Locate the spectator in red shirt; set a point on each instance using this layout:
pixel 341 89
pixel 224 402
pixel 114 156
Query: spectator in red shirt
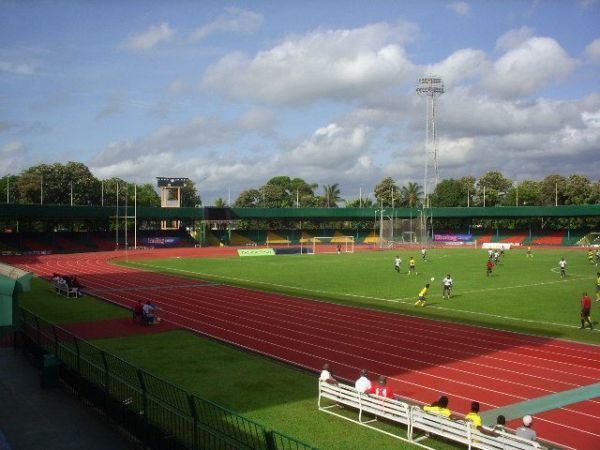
pixel 586 306
pixel 138 311
pixel 381 388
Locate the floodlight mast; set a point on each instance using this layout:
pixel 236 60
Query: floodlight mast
pixel 430 87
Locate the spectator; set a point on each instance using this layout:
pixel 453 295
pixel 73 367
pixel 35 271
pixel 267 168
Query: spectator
pixel 148 312
pixel 326 375
pixel 381 388
pixel 440 407
pixel 363 384
pixel 500 424
pixel 474 416
pixel 526 432
pixel 138 312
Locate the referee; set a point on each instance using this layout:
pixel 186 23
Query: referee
pixel 586 306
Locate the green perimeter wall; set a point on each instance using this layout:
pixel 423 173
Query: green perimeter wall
pixel 20 212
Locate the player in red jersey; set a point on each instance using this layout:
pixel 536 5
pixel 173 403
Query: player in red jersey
pixel 586 306
pixel 489 266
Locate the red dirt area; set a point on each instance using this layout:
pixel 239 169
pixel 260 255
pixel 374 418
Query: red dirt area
pixel 112 328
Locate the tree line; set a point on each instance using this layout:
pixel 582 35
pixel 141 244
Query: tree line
pixel 58 183
pixel 491 189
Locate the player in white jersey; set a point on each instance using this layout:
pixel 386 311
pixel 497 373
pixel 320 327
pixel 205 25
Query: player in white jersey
pixel 397 264
pixel 424 254
pixel 563 267
pixel 447 284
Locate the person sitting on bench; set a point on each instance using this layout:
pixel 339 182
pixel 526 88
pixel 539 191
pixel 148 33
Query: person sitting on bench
pixel 149 313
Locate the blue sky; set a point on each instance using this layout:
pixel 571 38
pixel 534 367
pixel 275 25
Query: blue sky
pixel 231 94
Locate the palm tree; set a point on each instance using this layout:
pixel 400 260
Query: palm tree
pixel 220 202
pixel 411 194
pixel 332 194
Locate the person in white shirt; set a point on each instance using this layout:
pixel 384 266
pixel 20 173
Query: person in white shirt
pixel 525 431
pixel 447 284
pixel 563 267
pixel 397 263
pixel 363 384
pixel 424 254
pixel 326 375
pixel 490 253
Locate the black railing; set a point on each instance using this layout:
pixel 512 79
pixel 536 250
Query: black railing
pixel 154 411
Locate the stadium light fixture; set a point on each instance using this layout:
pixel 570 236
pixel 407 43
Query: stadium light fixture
pixel 430 87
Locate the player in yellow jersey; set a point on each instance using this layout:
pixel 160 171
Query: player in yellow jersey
pixel 412 266
pixel 422 296
pixel 529 254
pixel 598 286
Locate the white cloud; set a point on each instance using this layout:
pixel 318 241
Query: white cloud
pixel 514 38
pixel 460 65
pixel 17 68
pixel 257 119
pixel 339 64
pixel 12 157
pixel 333 146
pixel 149 39
pixel 460 8
pixel 529 68
pixel 234 20
pixel 592 51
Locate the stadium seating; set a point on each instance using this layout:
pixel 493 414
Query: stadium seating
pixel 550 239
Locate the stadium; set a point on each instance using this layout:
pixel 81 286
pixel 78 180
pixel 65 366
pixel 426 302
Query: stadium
pixel 451 304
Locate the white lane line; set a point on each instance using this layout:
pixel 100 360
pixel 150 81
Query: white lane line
pixel 405 300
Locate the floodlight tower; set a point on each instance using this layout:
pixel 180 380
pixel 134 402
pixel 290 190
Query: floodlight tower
pixel 430 87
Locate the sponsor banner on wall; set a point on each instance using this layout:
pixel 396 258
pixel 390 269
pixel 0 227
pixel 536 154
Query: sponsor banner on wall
pixel 161 241
pixel 452 237
pixel 256 252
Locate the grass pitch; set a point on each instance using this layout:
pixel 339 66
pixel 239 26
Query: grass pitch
pixel 523 294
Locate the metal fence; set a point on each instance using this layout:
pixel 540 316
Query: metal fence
pixel 154 411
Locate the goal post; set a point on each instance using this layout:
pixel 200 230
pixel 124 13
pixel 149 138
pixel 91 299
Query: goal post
pixel 332 244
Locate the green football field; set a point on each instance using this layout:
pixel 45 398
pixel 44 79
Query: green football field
pixel 523 294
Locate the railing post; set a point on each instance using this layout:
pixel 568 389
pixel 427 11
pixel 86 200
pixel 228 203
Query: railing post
pixel 55 340
pixel 76 342
pixel 194 413
pixel 105 364
pixel 37 329
pixel 144 393
pixel 270 440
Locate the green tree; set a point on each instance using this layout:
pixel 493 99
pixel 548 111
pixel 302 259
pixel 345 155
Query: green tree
pixel 220 202
pixel 449 192
pixel 8 183
pixel 550 187
pixel 146 195
pixel 411 194
pixel 250 198
pixel 468 183
pixel 56 180
pixel 189 195
pixel 493 186
pixel 578 190
pixel 386 191
pixel 358 203
pixel 331 195
pixel 525 193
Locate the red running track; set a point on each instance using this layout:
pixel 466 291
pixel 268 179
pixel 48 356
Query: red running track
pixel 422 358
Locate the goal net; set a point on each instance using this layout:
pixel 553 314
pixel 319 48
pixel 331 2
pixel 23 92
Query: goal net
pixel 332 244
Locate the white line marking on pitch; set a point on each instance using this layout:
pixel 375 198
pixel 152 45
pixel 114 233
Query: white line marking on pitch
pixel 405 300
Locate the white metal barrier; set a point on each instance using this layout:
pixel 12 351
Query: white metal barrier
pixel 419 423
